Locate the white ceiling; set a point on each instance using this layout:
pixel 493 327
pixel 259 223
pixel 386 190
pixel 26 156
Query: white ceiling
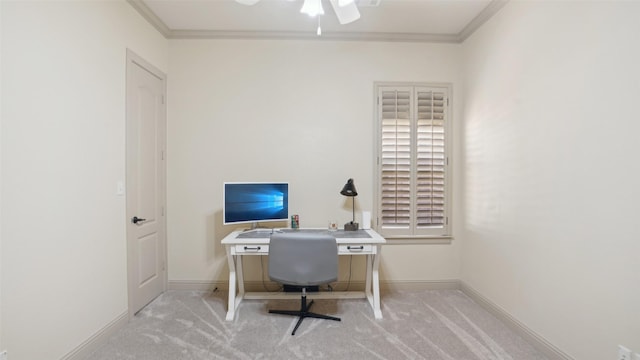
pixel 391 20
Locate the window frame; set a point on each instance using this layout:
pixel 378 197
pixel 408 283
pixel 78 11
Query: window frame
pixel 413 233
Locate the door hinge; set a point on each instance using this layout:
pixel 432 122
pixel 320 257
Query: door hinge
pixel 162 99
pixel 162 210
pixel 161 154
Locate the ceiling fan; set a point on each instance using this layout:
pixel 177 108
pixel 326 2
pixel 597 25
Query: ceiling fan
pixel 346 10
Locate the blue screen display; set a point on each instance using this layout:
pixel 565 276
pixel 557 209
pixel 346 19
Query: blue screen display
pixel 254 202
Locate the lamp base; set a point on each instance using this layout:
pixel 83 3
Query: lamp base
pixel 351 226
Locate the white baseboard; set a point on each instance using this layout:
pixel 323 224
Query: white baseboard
pixel 196 285
pixel 419 285
pixel 533 338
pixel 249 286
pixel 96 340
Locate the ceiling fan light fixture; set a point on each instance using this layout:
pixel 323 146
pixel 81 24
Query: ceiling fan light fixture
pixel 312 8
pixel 346 14
pixel 247 2
pixel 342 3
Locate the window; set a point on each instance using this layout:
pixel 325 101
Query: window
pixel 412 160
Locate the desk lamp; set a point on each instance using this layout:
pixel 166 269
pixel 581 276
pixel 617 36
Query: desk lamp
pixel 349 189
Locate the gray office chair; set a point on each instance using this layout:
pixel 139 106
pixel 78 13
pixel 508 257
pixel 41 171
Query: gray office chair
pixel 303 260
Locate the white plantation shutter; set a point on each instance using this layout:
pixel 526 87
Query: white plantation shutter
pixel 412 160
pixel 430 158
pixel 396 106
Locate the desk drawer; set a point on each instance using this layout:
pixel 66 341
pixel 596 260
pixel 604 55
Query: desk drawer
pixel 355 249
pixel 252 249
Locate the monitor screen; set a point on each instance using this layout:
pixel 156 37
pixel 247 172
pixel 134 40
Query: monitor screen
pixel 255 202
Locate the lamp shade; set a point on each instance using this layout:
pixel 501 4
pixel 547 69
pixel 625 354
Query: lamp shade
pixel 349 189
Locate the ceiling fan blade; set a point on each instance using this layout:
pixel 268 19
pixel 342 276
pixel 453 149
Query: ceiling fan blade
pixel 346 14
pixel 247 2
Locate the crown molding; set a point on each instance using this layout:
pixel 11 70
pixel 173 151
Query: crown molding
pixel 310 35
pixel 151 17
pixel 491 9
pixel 484 15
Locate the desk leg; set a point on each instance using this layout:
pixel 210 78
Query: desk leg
pixel 240 274
pixel 372 283
pixel 376 284
pixel 367 281
pixel 231 307
pixel 235 279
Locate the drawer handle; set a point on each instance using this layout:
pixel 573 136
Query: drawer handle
pixel 252 248
pixel 361 247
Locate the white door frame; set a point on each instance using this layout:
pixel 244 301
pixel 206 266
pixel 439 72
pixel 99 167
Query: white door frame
pixel 134 60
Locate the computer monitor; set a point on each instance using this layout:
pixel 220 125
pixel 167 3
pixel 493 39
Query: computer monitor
pixel 254 202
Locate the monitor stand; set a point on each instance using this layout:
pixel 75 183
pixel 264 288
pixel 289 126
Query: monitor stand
pixel 255 226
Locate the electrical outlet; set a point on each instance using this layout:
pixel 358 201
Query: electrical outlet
pixel 623 353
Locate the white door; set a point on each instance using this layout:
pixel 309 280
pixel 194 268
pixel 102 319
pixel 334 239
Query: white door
pixel 146 229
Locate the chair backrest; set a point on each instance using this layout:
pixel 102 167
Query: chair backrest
pixel 303 259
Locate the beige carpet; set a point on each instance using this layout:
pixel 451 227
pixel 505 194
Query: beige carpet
pixel 431 324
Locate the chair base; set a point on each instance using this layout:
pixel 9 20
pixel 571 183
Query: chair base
pixel 303 313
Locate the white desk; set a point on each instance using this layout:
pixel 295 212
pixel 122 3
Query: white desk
pixel 239 244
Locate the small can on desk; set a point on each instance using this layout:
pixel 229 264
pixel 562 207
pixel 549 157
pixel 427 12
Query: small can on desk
pixel 295 222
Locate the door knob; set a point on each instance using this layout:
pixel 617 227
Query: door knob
pixel 136 219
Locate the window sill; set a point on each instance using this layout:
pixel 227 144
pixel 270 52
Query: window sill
pixel 418 240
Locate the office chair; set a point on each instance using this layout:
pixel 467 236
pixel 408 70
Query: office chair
pixel 303 260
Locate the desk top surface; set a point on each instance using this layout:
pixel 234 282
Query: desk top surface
pixel 342 236
pixel 336 233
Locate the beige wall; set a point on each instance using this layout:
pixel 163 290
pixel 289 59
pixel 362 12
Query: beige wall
pixel 551 171
pixel 296 111
pixel 63 150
